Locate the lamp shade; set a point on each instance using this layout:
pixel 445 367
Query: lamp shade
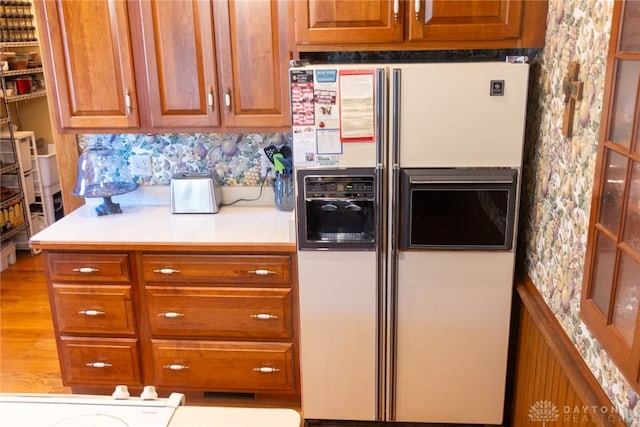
pixel 103 173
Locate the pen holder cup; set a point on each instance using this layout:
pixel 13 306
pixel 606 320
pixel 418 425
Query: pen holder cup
pixel 283 189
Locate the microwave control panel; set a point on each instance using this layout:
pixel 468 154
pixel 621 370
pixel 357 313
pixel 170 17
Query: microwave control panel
pixel 339 187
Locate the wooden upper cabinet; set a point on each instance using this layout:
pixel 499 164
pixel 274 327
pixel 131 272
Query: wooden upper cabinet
pixel 418 24
pixel 167 65
pixel 338 21
pixel 465 20
pixel 253 57
pixel 89 48
pixel 179 67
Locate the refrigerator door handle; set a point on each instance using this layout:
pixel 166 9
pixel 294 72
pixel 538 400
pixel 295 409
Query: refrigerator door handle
pixel 381 251
pixel 395 120
pixel 394 241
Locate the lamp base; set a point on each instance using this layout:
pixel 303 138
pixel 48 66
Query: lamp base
pixel 108 207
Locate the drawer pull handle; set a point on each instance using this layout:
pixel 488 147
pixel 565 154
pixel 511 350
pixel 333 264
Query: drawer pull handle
pixel 86 270
pixel 171 314
pixel 176 367
pixel 264 316
pixel 166 271
pixel 266 370
pixel 99 365
pixel 92 313
pixel 262 272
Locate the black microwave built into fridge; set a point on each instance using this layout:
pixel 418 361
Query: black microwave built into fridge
pixel 458 208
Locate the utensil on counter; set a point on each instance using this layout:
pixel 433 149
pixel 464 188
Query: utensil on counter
pixel 270 151
pixel 283 184
pixel 281 158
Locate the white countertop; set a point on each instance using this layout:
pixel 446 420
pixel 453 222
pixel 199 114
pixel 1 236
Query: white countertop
pixel 154 224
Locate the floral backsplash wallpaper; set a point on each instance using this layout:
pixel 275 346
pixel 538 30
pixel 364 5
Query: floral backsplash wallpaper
pixel 234 159
pixel 558 179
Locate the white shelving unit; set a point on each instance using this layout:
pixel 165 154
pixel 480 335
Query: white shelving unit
pixel 34 183
pixel 15 229
pixel 35 177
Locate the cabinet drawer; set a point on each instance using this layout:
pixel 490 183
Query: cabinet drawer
pixel 82 267
pixel 218 269
pixel 220 312
pixel 96 361
pixel 224 366
pixel 102 309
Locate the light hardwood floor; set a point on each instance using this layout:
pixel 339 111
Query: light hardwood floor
pixel 28 355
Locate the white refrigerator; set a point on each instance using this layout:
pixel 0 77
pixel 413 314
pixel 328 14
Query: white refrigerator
pixel 413 329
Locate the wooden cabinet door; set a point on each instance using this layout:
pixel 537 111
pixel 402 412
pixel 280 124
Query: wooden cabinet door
pixel 338 22
pixel 253 58
pixel 473 20
pixel 179 62
pixel 88 55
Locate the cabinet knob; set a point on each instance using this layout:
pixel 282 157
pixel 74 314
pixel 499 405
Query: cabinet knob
pixel 99 365
pixel 210 99
pixel 92 313
pixel 227 99
pixel 262 272
pixel 264 316
pixel 171 314
pixel 166 270
pixel 127 102
pixel 86 270
pixel 266 370
pixel 176 367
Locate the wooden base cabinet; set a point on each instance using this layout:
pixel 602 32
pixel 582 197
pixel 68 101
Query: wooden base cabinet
pixel 91 297
pixel 223 322
pixel 182 321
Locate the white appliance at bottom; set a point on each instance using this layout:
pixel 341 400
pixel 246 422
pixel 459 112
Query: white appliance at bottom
pixel 66 410
pixel 60 410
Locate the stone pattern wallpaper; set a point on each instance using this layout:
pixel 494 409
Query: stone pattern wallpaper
pixel 558 178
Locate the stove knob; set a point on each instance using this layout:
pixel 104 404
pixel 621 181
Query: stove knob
pixel 149 393
pixel 121 392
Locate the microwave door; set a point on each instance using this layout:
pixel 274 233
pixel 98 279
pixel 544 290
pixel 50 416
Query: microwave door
pixel 458 210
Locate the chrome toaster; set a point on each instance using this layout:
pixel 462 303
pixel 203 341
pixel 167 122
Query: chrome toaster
pixel 195 193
